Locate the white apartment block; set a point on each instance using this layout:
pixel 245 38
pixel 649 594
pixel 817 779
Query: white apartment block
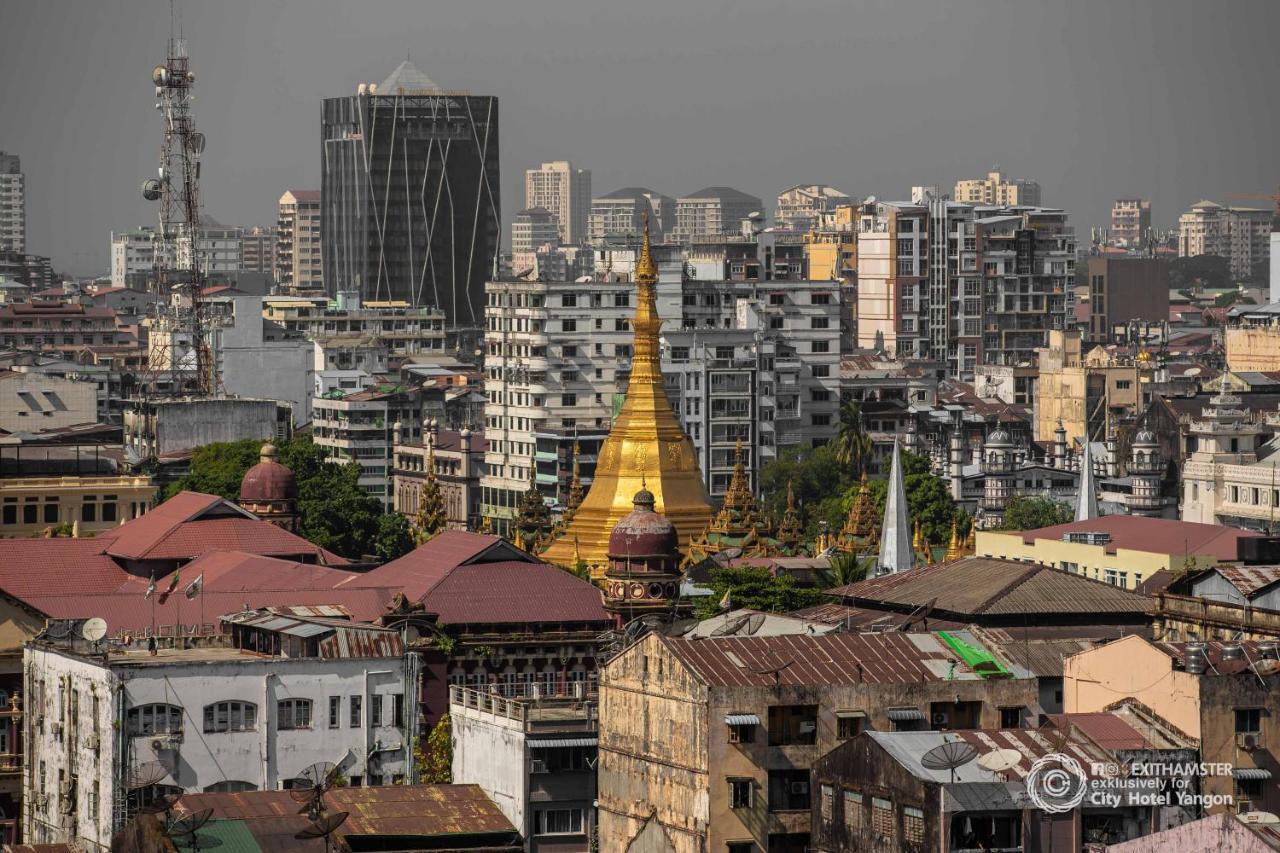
pixel 397 327
pixel 996 189
pixel 621 214
pixel 240 713
pixel 13 204
pixel 962 284
pixel 531 230
pixel 361 427
pixel 298 242
pixel 803 207
pixel 563 191
pixel 133 253
pixel 1130 220
pixel 713 212
pixel 1242 235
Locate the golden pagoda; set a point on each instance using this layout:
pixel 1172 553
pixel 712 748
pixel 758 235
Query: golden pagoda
pixel 645 445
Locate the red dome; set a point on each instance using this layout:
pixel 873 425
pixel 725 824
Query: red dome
pixel 643 532
pixel 268 480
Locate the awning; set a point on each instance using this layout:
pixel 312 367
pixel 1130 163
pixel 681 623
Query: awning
pixel 1251 773
pixel 564 741
pixel 850 715
pixel 905 715
pixel 742 720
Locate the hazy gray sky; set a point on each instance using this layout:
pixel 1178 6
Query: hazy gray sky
pixel 1174 100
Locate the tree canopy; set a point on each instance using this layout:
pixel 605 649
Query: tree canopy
pixel 756 588
pixel 928 499
pixel 336 513
pixel 1030 513
pixel 820 482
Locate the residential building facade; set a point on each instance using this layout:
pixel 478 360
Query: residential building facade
pixel 13 204
pixel 133 257
pixel 713 212
pixel 565 192
pixel 360 427
pixel 258 250
pixel 1242 235
pixel 441 145
pixel 621 214
pixel 1130 221
pixel 298 259
pixel 996 189
pixel 805 206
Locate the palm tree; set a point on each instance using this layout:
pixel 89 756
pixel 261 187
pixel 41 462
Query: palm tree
pixel 846 568
pixel 853 445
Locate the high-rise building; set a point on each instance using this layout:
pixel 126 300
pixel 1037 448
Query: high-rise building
pixel 410 194
pixel 565 192
pixel 1130 219
pixel 133 257
pixel 621 214
pixel 1242 235
pixel 802 207
pixel 713 212
pixel 996 189
pixel 991 297
pixel 13 204
pixel 1124 289
pixel 297 255
pixel 532 229
pixel 258 250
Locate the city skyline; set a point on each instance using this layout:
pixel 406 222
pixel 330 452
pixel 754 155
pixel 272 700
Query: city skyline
pixel 759 101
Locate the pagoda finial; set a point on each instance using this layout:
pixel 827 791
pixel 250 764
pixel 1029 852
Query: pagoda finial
pixel 646 269
pixel 954 549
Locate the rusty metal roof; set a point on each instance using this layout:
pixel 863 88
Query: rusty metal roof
pixel 1249 580
pixel 408 811
pixel 337 638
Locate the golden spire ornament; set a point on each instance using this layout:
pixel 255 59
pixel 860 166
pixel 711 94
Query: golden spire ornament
pixel 954 551
pixel 646 448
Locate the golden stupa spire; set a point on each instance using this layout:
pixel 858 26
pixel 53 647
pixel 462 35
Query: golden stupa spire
pixel 646 447
pixel 954 550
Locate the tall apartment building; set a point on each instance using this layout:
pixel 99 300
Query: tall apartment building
pixel 297 254
pixel 258 250
pixel 713 212
pixel 565 192
pixel 1242 235
pixel 962 284
pixel 363 427
pixel 995 188
pixel 532 229
pixel 13 204
pixel 133 257
pixel 1130 219
pixel 621 214
pixel 1122 289
pixel 410 190
pixel 803 207
pixel 218 247
pixel 750 361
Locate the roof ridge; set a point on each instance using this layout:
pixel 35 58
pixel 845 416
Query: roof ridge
pixel 1008 589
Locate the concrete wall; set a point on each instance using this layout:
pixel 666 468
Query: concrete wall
pixel 186 424
pixel 1092 561
pixel 488 750
pixel 1218 832
pixel 266 370
pixel 1131 669
pixel 31 402
pixel 1253 349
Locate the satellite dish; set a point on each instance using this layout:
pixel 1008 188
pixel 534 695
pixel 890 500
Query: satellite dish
pixel 323 827
pixel 1258 818
pixel 151 189
pixel 188 825
pixel 949 756
pixel 999 760
pixel 197 142
pixel 94 629
pixel 146 774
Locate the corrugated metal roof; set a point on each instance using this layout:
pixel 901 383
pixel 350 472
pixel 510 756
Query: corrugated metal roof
pixel 1105 729
pixel 1251 773
pixel 902 715
pixel 741 720
pixel 1250 580
pixel 1038 658
pixel 908 748
pixel 555 743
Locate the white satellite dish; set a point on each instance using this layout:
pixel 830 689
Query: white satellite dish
pixel 999 760
pixel 1258 817
pixel 94 629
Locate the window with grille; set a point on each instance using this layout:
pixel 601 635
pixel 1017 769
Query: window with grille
pixel 293 714
pixel 559 821
pixel 739 793
pixel 335 710
pixel 852 809
pixel 154 719
pixel 882 817
pixel 912 825
pixel 230 717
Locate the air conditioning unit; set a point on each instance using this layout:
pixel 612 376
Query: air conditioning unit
pixel 1244 807
pixel 1249 740
pixel 800 788
pixel 93 742
pixel 940 718
pixel 539 766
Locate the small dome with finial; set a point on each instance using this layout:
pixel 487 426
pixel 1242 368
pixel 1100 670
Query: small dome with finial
pixel 643 532
pixel 268 480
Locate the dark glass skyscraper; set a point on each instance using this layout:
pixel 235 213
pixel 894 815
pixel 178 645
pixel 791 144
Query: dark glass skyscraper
pixel 410 194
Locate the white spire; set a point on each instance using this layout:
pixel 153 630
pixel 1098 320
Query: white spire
pixel 895 533
pixel 1086 498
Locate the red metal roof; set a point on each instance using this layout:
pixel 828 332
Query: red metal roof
pixel 1250 580
pixel 803 659
pixel 32 566
pixel 1103 728
pixel 1156 535
pixel 423 568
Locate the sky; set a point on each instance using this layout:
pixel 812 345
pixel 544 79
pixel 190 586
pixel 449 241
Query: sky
pixel 1172 100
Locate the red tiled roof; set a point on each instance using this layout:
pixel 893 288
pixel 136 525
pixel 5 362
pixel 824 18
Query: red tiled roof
pixel 1156 535
pixel 32 566
pixel 514 592
pixel 1103 728
pixel 803 659
pixel 422 568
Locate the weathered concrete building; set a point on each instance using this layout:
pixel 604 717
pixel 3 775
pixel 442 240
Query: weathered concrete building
pixel 713 738
pixel 535 757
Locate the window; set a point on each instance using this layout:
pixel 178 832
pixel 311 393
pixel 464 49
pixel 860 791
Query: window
pixel 788 790
pixel 741 733
pixel 50 513
pixel 739 793
pixel 793 724
pixel 823 419
pixel 1248 720
pixel 397 700
pixel 820 299
pixel 850 724
pixel 568 325
pixel 230 717
pixel 569 400
pixel 821 346
pixel 821 371
pixel 335 711
pixel 826 802
pixel 912 825
pixel 740 847
pixel 852 809
pixel 569 300
pixel 1248 789
pixel 155 719
pixel 230 786
pixel 882 817
pixel 293 714
pixel 355 711
pixel 819 322
pixel 1011 718
pixel 558 822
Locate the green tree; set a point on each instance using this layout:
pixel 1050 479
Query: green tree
pixel 756 588
pixel 1201 272
pixel 217 469
pixel 846 568
pixel 1030 513
pixel 435 761
pixel 852 445
pixel 821 485
pixel 928 497
pixel 394 538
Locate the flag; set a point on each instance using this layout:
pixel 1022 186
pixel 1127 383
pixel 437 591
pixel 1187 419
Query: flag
pixel 151 587
pixel 173 584
pixel 725 603
pixel 196 586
